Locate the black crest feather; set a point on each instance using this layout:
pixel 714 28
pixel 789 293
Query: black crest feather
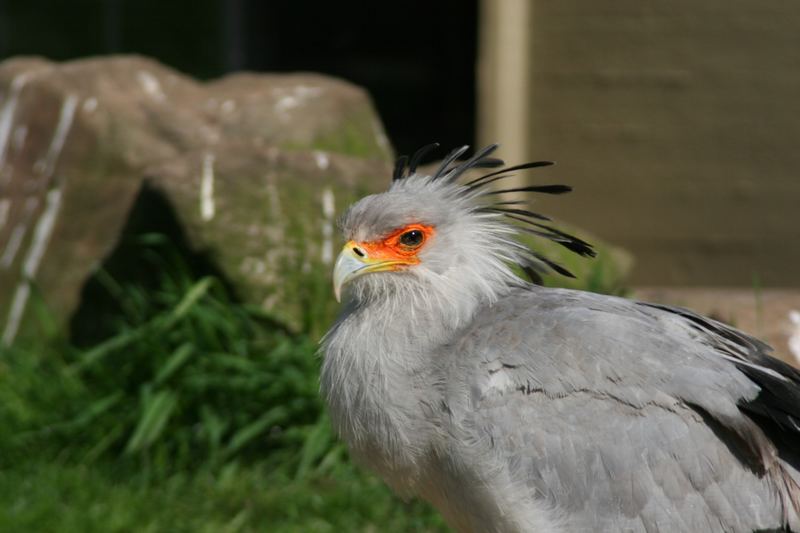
pixel 444 168
pixel 400 168
pixel 451 169
pixel 419 154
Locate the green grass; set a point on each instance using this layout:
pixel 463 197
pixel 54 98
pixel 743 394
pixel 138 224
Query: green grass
pixel 196 414
pixel 54 497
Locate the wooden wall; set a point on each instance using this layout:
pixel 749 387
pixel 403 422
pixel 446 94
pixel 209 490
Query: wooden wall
pixel 678 123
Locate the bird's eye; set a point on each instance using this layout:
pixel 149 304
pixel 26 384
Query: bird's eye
pixel 412 239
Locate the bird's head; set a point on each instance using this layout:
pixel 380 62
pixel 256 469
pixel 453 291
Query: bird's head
pixel 435 238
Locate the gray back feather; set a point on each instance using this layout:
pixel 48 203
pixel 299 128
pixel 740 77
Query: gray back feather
pixel 628 417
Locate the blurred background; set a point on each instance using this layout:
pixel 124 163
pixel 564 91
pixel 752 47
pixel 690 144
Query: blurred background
pixel 170 174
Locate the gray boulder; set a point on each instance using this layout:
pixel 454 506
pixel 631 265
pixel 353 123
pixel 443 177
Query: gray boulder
pixel 254 166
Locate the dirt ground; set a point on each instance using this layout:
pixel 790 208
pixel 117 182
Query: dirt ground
pixel 764 313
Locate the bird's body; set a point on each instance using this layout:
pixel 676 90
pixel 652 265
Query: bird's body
pixel 514 408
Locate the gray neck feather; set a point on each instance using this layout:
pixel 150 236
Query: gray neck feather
pixel 380 361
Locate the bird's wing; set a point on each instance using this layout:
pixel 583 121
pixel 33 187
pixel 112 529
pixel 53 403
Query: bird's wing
pixel 628 416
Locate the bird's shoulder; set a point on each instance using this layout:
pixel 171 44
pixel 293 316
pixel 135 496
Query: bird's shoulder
pixel 557 341
pixel 560 340
pixel 629 414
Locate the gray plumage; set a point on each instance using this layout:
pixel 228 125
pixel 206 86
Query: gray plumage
pixel 513 407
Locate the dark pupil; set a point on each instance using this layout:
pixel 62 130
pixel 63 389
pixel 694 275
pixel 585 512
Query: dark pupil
pixel 411 238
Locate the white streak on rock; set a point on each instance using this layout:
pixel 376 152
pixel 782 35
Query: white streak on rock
pixel 292 98
pixel 207 188
pixel 380 135
pixel 328 210
pixel 90 104
pixel 323 162
pixel 8 111
pixel 12 247
pixel 41 237
pixel 5 206
pixel 794 337
pixel 18 234
pixel 274 231
pixel 18 304
pixel 228 106
pixel 47 165
pixel 150 85
pixel 284 104
pixel 328 203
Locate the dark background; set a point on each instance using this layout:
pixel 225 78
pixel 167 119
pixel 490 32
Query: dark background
pixel 417 59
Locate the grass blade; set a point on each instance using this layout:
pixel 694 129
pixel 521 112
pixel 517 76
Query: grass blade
pixel 158 409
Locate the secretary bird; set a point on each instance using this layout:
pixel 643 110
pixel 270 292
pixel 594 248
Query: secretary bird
pixel 513 407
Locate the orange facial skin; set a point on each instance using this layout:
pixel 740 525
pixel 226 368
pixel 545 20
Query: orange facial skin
pixel 391 249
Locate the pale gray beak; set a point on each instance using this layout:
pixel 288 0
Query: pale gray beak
pixel 347 267
pixel 350 265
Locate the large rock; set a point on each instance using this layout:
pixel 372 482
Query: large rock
pixel 254 167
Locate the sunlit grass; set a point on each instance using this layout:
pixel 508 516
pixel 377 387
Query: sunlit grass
pixel 39 496
pixel 196 415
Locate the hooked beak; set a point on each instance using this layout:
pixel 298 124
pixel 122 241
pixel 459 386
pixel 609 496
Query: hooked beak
pixel 353 262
